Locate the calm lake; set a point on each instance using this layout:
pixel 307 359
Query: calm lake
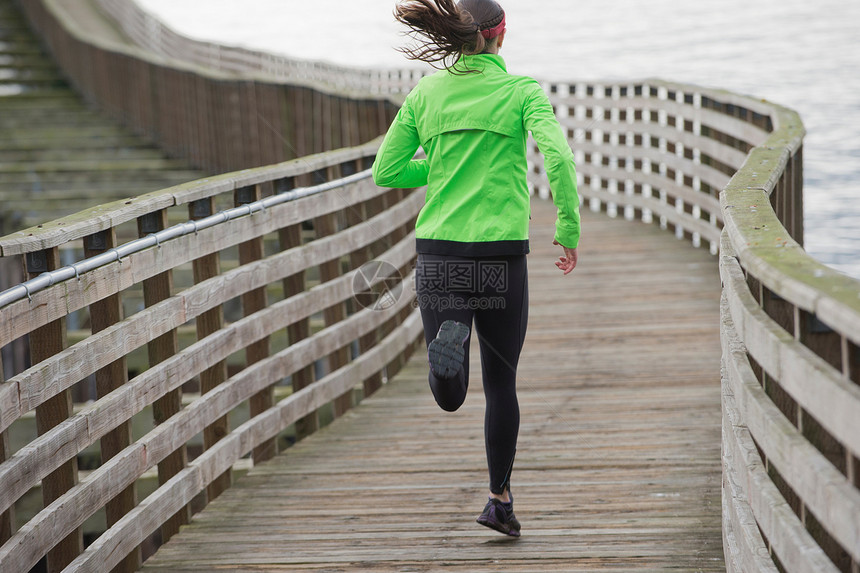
pixel 802 54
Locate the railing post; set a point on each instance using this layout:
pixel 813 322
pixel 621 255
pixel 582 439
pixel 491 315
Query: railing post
pixel 155 290
pixel 288 238
pixel 254 301
pixel 357 258
pixel 325 226
pixel 391 199
pixel 104 314
pixel 45 342
pixel 7 518
pixel 207 323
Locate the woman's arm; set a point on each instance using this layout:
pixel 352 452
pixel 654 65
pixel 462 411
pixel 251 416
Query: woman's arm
pixel 540 120
pixel 394 165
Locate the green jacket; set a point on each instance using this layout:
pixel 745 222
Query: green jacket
pixel 473 129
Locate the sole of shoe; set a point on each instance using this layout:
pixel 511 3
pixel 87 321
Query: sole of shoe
pixel 498 526
pixel 488 519
pixel 446 352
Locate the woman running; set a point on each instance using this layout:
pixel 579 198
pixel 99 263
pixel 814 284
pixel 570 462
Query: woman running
pixel 472 118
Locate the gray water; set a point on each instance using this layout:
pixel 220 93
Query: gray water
pixel 801 54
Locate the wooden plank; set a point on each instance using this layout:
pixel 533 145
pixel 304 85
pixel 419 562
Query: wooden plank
pixel 104 314
pixel 396 483
pixel 355 216
pixel 329 270
pixel 834 401
pixel 249 435
pixel 46 341
pixel 823 489
pixel 17 319
pixel 179 428
pixel 703 226
pixel 254 301
pixel 288 239
pixel 42 455
pixel 749 486
pixel 84 359
pixel 7 517
pixel 162 348
pixel 103 217
pixel 207 323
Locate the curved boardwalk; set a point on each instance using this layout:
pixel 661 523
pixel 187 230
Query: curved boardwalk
pixel 57 154
pixel 619 454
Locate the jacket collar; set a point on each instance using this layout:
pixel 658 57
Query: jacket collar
pixel 481 61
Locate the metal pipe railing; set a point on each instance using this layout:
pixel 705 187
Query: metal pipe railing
pixel 47 279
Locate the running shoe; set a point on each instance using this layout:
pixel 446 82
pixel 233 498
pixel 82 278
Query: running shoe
pixel 446 352
pixel 502 519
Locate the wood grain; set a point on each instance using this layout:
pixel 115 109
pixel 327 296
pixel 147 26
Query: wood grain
pixel 618 464
pixel 104 314
pixel 254 301
pixel 43 455
pixel 160 349
pixel 17 319
pixel 210 322
pixel 46 341
pixel 61 371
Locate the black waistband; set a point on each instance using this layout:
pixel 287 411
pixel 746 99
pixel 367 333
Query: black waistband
pixel 475 249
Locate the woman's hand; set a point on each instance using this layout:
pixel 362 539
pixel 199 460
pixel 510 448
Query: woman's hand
pixel 568 262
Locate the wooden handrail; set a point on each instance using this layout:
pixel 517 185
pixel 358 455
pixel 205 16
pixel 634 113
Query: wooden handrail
pixel 156 37
pixel 379 236
pixel 218 121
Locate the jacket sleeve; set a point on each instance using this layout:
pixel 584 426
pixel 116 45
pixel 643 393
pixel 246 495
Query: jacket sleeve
pixel 394 165
pixel 540 120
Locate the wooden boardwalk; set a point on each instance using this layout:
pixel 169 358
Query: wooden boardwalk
pixel 618 466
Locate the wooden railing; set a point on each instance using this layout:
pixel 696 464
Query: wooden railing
pixel 791 369
pixel 236 306
pixel 663 153
pixel 152 34
pixel 721 170
pixel 217 120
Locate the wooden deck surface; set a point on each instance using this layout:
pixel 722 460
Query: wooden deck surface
pixel 618 464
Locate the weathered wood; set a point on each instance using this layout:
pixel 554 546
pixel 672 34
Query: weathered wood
pixel 821 486
pixel 289 238
pixel 104 314
pixel 207 323
pixel 324 227
pixel 387 487
pixel 752 488
pixel 83 359
pixel 56 301
pixel 746 551
pixel 161 441
pixel 7 517
pixel 46 341
pixel 247 436
pixel 162 348
pixel 357 258
pixel 103 217
pixel 73 435
pixel 254 301
pixel 833 400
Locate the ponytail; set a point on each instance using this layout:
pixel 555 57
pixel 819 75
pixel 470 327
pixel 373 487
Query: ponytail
pixel 448 31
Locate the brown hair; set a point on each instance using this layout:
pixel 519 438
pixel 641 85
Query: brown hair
pixel 448 30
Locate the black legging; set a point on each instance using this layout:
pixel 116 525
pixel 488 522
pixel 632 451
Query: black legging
pixel 493 291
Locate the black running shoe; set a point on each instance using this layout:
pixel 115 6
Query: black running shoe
pixel 497 516
pixel 446 352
